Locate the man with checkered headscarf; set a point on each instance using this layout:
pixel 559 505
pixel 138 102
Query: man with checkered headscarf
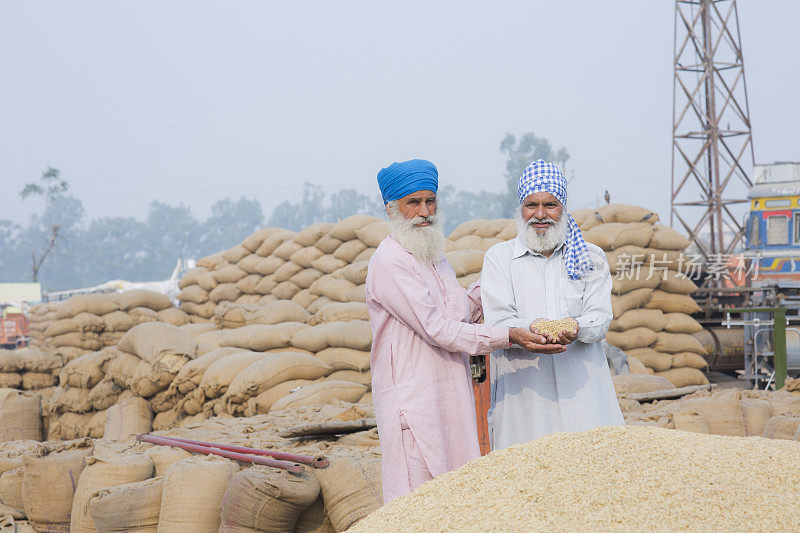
pixel 548 272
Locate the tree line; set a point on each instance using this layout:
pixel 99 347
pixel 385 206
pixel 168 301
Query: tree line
pixel 61 249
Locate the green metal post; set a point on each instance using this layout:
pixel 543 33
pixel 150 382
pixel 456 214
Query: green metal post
pixel 779 348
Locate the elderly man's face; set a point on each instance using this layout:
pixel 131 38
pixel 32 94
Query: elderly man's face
pixel 541 210
pixel 418 204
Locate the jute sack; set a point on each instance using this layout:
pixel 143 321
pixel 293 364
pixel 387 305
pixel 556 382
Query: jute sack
pixel 140 315
pixel 249 263
pixel 756 412
pixel 163 401
pixel 165 456
pixel 87 341
pixel 266 499
pixel 652 319
pixel 260 337
pixel 627 259
pixel 87 370
pixel 666 238
pixel 219 374
pixel 672 303
pixel 305 256
pixel 305 278
pixel 630 300
pixel 105 468
pixel 689 420
pixel 652 359
pixel 351 489
pixel 274 313
pixel 174 316
pixel 235 254
pixel 193 402
pixel 633 338
pixel 328 244
pixel 677 342
pixel 625 213
pixel 355 273
pixel 470 242
pixel 190 277
pixel 122 368
pixel 491 228
pixel 359 293
pixel 48 488
pixel 228 275
pixel 267 372
pixel 262 403
pixel 183 506
pixel 721 410
pixel 141 298
pixel 225 292
pixel 317 304
pixel 286 271
pixel 287 249
pixel 311 234
pixel 690 359
pixel 212 262
pixel 347 228
pixel 71 399
pixel 38 380
pixel 365 255
pixel 349 250
pixel 328 264
pixel 188 377
pixel 784 403
pixel 129 417
pixel 10 380
pixel 207 281
pixel 683 377
pixel 79 323
pixel 167 420
pixel 467 228
pixel 272 242
pixel 634 383
pixel 636 367
pixel 97 424
pixel 314 519
pixel 127 507
pixel 205 310
pixel 324 392
pixel 782 427
pixel 677 283
pixel 465 261
pixel 333 288
pixel 345 359
pixel 286 290
pixel 614 235
pixel 70 426
pixel 621 285
pixel 362 439
pixel 197 329
pixel 680 323
pixel 97 304
pixel 254 241
pixel 11 488
pixel 148 380
pixel 164 346
pixel 372 234
pixel 11 361
pixel 355 334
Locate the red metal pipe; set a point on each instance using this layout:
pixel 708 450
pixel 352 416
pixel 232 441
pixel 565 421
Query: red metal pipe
pixel 318 461
pixel 292 468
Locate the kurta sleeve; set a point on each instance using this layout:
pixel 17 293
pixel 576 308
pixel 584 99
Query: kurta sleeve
pixel 497 291
pixel 596 312
pixel 475 305
pixel 399 288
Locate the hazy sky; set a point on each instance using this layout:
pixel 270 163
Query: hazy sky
pixel 194 101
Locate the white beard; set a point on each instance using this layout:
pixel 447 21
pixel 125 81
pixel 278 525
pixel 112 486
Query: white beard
pixel 426 243
pixel 553 237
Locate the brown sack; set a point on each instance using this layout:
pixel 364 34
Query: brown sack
pixel 235 254
pixel 218 375
pixel 165 456
pixel 286 290
pixel 250 263
pixel 652 319
pixel 652 359
pixel 672 303
pixel 262 403
pixel 324 392
pixel 49 486
pixel 184 507
pixel 625 213
pixel 680 323
pixel 633 338
pixel 118 321
pixel 38 380
pixel 782 427
pixel 311 234
pixel 122 368
pixel 130 417
pixel 193 293
pixel 174 316
pixel 127 507
pixel 254 241
pixel 373 233
pixel 188 378
pixel 164 346
pixel 678 342
pixel 756 413
pixel 634 383
pixel 142 298
pixel 630 300
pixel 11 488
pixel 666 238
pixel 20 416
pixel 690 359
pixel 268 372
pixel 677 283
pixel 351 489
pixel 684 377
pixel 627 259
pixel 345 358
pixel 269 265
pixel 272 242
pixel 287 249
pixel 347 228
pixel 349 250
pixel 614 235
pixel 105 468
pixel 637 280
pixel 328 244
pixel 340 312
pixel 148 380
pixel 266 499
pixel 97 304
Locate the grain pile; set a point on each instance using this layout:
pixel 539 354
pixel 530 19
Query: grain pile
pixel 617 478
pixel 127 486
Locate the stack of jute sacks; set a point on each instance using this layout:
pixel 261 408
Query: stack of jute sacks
pixel 769 414
pixel 29 368
pixel 130 486
pixel 651 298
pixel 88 322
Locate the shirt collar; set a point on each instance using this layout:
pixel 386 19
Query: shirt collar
pixel 521 249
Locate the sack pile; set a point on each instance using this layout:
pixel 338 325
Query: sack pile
pixel 322 263
pixel 88 322
pixel 29 368
pixel 651 298
pixel 131 486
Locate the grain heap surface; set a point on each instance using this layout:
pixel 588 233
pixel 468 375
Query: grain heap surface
pixel 610 479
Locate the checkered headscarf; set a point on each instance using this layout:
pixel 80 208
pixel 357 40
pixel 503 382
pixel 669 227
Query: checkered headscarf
pixel 541 176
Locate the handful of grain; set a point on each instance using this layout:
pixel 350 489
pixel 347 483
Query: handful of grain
pixel 623 478
pixel 553 328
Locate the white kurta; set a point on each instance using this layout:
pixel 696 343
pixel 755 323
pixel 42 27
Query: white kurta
pixel 534 395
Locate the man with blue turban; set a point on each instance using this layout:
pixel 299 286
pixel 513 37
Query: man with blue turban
pixel 548 272
pixel 423 326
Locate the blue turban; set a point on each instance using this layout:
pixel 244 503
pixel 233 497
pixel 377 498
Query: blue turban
pixel 541 176
pixel 401 179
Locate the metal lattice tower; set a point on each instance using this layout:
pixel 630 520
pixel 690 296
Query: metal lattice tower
pixel 711 138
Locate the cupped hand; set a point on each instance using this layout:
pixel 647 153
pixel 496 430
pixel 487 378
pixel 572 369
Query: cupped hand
pixel 534 342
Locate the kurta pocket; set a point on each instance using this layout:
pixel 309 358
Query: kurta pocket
pixel 573 296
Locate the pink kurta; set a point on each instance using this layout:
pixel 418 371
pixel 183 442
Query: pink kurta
pixel 421 328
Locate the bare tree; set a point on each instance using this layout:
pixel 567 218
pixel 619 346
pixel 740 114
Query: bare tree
pixel 50 186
